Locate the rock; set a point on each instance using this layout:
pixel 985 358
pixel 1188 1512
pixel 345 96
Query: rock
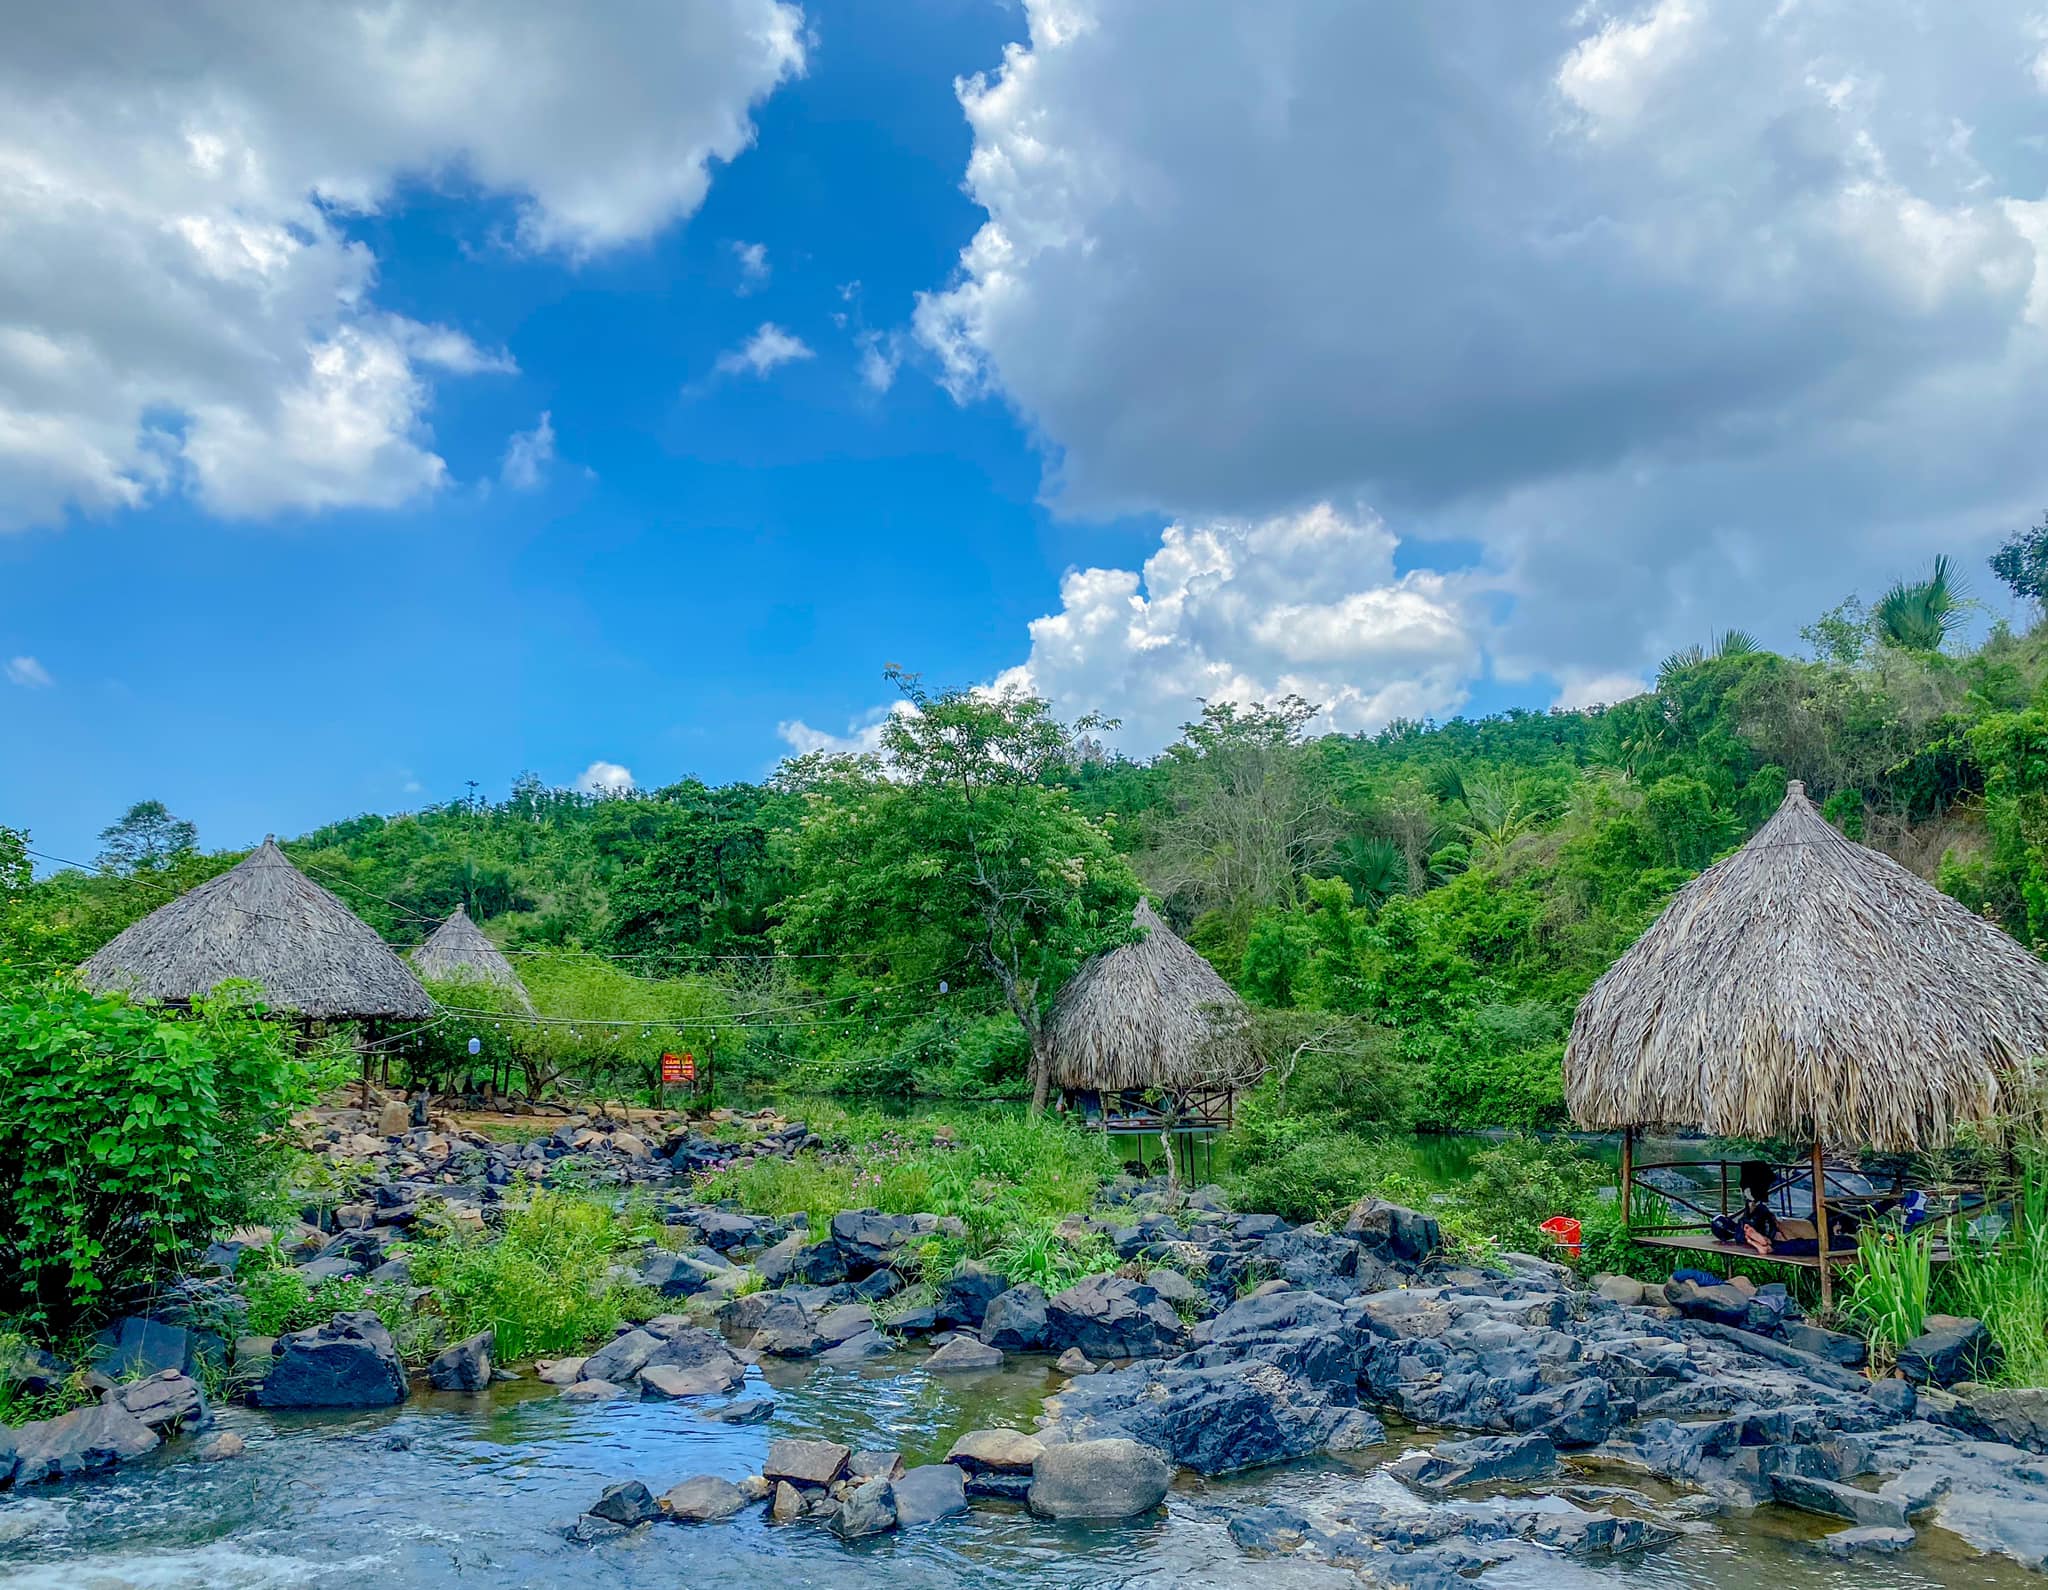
pixel 1111 1478
pixel 590 1529
pixel 349 1362
pixel 788 1503
pixel 219 1448
pixel 466 1366
pixel 1848 1351
pixel 703 1500
pixel 31 1369
pixel 165 1402
pixel 755 1488
pixel 1893 1397
pixel 929 1492
pixel 1108 1316
pixel 1391 1232
pixel 625 1504
pixel 2017 1416
pixel 1075 1362
pixel 1724 1305
pixel 1622 1289
pixel 724 1231
pixel 963 1354
pixel 670 1382
pixel 1878 1538
pixel 996 1451
pixel 791 1261
pixel 869 1240
pixel 874 1466
pixel 787 1330
pixel 1952 1351
pixel 676 1274
pixel 136 1346
pixel 1016 1320
pixel 621 1358
pixel 560 1371
pixel 869 1510
pixel 394 1120
pixel 806 1462
pixel 1176 1288
pixel 1833 1498
pixel 79 1442
pixel 595 1391
pixel 965 1297
pixel 1484 1460
pixel 748 1410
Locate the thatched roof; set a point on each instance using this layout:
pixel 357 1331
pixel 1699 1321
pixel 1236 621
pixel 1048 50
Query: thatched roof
pixel 1150 1014
pixel 1808 988
pixel 266 921
pixel 457 951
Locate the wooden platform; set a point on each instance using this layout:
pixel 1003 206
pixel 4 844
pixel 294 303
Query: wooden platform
pixel 1692 1242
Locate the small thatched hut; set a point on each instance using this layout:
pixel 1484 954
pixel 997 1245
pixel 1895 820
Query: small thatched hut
pixel 1150 1015
pixel 266 921
pixel 457 951
pixel 1807 989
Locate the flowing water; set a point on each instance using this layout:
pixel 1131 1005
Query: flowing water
pixel 453 1491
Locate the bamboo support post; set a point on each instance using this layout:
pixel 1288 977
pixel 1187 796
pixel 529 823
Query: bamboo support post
pixel 1628 1170
pixel 1820 1226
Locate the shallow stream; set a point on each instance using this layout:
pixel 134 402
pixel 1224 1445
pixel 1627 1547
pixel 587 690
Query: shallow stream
pixel 453 1491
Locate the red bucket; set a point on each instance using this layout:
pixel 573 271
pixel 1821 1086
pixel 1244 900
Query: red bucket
pixel 1564 1231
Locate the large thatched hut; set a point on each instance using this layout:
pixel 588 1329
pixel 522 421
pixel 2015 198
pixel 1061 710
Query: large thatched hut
pixel 457 951
pixel 266 921
pixel 1150 1016
pixel 1807 989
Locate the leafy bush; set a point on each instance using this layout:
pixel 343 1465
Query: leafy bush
pixel 1888 1291
pixel 2004 1282
pixel 126 1137
pixel 1519 1183
pixel 545 1285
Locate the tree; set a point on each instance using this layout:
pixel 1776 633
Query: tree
pixel 962 861
pixel 146 837
pixel 1921 615
pixel 2022 563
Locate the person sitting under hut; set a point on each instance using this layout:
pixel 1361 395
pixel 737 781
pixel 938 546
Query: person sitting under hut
pixel 1758 1227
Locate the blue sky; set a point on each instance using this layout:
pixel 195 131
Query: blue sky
pixel 1300 347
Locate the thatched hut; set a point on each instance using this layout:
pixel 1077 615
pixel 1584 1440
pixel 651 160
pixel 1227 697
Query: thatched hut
pixel 266 921
pixel 1151 1016
pixel 457 951
pixel 1807 989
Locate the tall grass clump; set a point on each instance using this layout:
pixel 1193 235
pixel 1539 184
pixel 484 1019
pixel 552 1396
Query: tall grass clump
pixel 2004 1282
pixel 545 1285
pixel 1891 1286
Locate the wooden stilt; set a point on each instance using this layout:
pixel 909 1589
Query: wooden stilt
pixel 1820 1226
pixel 1628 1170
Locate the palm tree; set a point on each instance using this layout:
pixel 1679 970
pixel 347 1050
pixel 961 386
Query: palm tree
pixel 1495 816
pixel 1729 643
pixel 1921 615
pixel 1374 867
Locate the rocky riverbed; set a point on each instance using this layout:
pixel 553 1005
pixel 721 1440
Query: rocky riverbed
pixel 1507 1415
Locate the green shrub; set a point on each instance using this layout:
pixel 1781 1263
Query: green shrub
pixel 126 1137
pixel 545 1284
pixel 1889 1288
pixel 2004 1282
pixel 1519 1183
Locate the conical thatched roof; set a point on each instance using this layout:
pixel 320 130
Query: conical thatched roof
pixel 458 950
pixel 1808 988
pixel 266 921
pixel 1150 1014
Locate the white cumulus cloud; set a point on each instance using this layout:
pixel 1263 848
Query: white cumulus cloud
pixel 1303 604
pixel 28 673
pixel 752 259
pixel 184 306
pixel 767 349
pixel 863 735
pixel 528 455
pixel 604 778
pixel 1667 316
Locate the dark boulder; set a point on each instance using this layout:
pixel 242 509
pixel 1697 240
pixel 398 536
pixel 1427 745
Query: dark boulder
pixel 622 1358
pixel 870 1240
pixel 1486 1459
pixel 1111 1478
pixel 792 1261
pixel 869 1509
pixel 929 1492
pixel 1836 1346
pixel 1016 1320
pixel 136 1346
pixel 625 1504
pixel 964 1354
pixel 965 1297
pixel 168 1401
pixel 349 1362
pixel 1108 1316
pixel 466 1366
pixel 811 1463
pixel 2017 1416
pixel 79 1442
pixel 1723 1305
pixel 1388 1231
pixel 1952 1350
pixel 703 1500
pixel 676 1274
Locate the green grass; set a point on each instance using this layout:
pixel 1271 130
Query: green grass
pixel 1008 1179
pixel 2005 1284
pixel 1890 1287
pixel 544 1283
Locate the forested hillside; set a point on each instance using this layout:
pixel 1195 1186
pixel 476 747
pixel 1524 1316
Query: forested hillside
pixel 1431 899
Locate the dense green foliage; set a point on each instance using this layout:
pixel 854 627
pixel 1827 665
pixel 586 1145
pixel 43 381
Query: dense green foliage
pixel 126 1137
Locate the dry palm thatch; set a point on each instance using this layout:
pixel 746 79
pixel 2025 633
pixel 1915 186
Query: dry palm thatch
pixel 1152 1014
pixel 457 951
pixel 266 921
pixel 1808 989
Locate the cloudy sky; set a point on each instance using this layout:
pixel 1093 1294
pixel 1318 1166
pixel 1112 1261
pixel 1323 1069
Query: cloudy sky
pixel 394 395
